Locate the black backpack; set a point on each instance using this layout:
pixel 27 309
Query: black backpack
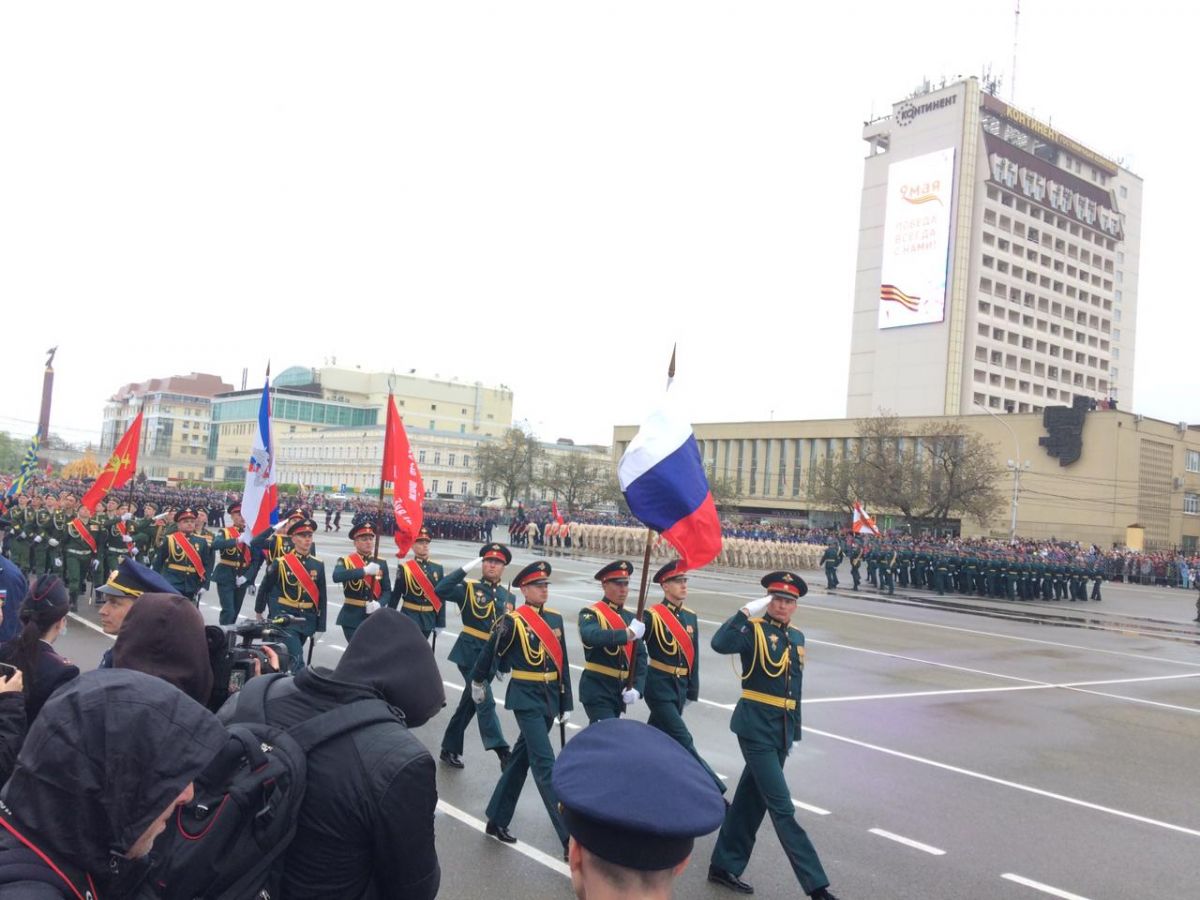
pixel 229 842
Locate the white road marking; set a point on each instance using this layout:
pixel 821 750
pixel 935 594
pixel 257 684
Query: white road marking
pixel 92 625
pixel 1003 782
pixel 1044 888
pixel 808 807
pixel 533 853
pixel 907 842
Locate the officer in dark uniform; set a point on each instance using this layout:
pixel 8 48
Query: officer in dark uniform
pixel 233 564
pixel 411 592
pixel 673 669
pixel 767 723
pixel 182 558
pixel 364 579
pixel 81 552
pixel 831 559
pixel 18 538
pixel 481 603
pixel 856 557
pixel 639 821
pixel 294 585
pixel 611 638
pixel 888 560
pixel 528 642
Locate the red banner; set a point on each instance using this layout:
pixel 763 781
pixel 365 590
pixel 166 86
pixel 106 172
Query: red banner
pixel 408 490
pixel 121 466
pixel 554 511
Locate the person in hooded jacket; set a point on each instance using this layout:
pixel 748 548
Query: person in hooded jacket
pixel 366 825
pixel 93 787
pixel 163 635
pixel 43 619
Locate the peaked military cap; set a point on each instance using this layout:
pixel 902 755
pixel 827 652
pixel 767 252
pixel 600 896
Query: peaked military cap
pixel 234 507
pixel 674 569
pixel 185 513
pixel 131 579
pixel 533 574
pixel 787 583
pixel 496 551
pixel 301 526
pixel 423 535
pixel 644 817
pixel 362 529
pixel 615 571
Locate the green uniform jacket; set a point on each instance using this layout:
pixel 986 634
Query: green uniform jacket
pixel 229 555
pixel 412 602
pixel 772 675
pixel 535 684
pixel 662 648
pixel 280 586
pixel 604 649
pixel 174 565
pixel 481 603
pixel 357 589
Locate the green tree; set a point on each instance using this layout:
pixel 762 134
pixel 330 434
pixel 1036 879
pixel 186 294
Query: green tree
pixel 11 452
pixel 576 481
pixel 509 465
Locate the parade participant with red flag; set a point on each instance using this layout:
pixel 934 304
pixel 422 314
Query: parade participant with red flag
pixel 120 468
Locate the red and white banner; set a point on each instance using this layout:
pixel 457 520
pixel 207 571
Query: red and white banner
pixel 408 490
pixel 862 522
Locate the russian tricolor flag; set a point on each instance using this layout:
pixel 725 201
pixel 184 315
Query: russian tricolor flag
pixel 663 480
pixel 260 498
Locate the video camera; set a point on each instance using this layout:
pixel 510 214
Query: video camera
pixel 239 653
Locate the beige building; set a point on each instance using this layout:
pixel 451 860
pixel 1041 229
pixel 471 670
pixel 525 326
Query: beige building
pixel 1130 470
pixel 176 425
pixel 997 263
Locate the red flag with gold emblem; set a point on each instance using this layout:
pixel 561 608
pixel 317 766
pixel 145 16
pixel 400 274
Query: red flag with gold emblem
pixel 121 466
pixel 408 490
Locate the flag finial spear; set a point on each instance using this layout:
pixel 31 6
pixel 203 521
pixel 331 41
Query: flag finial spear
pixel 671 367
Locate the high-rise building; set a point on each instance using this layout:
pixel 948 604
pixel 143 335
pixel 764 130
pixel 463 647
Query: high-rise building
pixel 175 426
pixel 997 263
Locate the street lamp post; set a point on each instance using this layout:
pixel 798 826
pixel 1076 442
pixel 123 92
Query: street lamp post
pixel 1016 466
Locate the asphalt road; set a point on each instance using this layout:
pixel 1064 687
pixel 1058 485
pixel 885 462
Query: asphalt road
pixel 954 748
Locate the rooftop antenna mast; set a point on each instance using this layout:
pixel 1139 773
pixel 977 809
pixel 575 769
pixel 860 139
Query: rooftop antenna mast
pixel 1012 87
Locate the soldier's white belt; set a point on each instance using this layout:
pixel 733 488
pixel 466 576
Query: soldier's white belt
pixel 604 670
pixel 520 675
pixel 769 699
pixel 677 671
pixel 420 607
pixel 74 552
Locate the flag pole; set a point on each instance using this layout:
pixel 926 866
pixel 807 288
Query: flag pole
pixel 641 604
pixel 382 469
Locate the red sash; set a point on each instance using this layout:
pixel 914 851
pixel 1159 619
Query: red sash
pixel 545 634
pixel 84 534
pixel 358 562
pixel 418 575
pixel 614 620
pixel 121 528
pixel 302 576
pixel 190 552
pixel 234 534
pixel 672 623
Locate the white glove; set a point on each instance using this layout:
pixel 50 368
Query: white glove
pixel 630 696
pixel 240 580
pixel 756 607
pixel 199 594
pixel 161 515
pixel 53 542
pixel 261 617
pixel 252 590
pixel 438 630
pixel 478 692
pixel 125 517
pixel 371 568
pixel 372 606
pixel 564 718
pixel 280 525
pixel 37 539
pixel 244 538
pixel 473 565
pixel 57 562
pixel 637 628
pixel 127 539
pixel 95 564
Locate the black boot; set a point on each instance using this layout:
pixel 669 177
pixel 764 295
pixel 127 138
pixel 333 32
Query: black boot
pixel 729 880
pixel 822 894
pixel 500 833
pixel 452 759
pixel 504 753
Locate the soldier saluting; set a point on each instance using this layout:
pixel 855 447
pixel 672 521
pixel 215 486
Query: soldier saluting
pixel 182 558
pixel 233 565
pixel 294 585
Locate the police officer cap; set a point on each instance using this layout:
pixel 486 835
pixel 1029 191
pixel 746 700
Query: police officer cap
pixel 787 583
pixel 366 528
pixel 131 579
pixel 615 571
pixel 302 526
pixel 496 551
pixel 673 569
pixel 185 513
pixel 533 574
pixel 651 821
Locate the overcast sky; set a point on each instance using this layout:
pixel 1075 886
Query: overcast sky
pixel 544 195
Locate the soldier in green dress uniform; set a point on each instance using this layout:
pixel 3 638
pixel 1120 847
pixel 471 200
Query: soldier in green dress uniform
pixel 42 532
pixel 767 724
pixel 233 564
pixel 856 557
pixel 294 585
pixel 150 530
pixel 81 552
pixel 831 559
pixel 364 579
pixel 120 542
pixel 481 602
pixel 673 669
pixel 183 558
pixel 528 642
pixel 19 538
pixel 412 596
pixel 611 638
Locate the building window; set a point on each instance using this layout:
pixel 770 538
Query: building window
pixel 1191 504
pixel 463 488
pixel 437 459
pixel 433 406
pixel 420 456
pixel 466 461
pixel 433 485
pixel 1192 460
pixel 450 460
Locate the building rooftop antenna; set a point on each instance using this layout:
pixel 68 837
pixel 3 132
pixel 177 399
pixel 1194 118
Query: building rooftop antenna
pixel 1012 86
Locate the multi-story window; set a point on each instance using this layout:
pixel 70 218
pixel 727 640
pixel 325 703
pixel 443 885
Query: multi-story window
pixel 1191 504
pixel 1192 460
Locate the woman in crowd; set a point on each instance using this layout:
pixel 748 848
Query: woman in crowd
pixel 43 618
